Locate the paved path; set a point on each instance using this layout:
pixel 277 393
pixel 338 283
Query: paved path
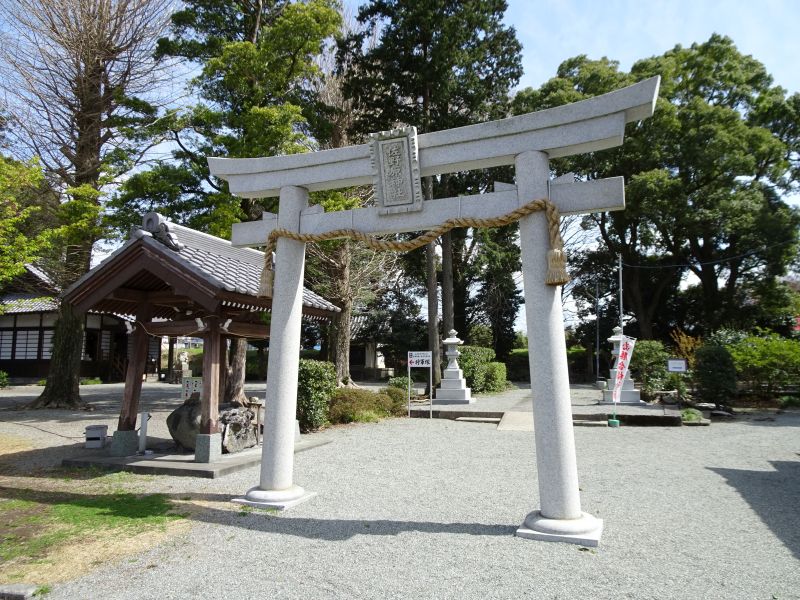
pixel 413 508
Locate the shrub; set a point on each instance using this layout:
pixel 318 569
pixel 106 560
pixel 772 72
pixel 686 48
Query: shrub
pixel 766 363
pixel 495 377
pixel 715 374
pixel 91 381
pixel 350 405
pixel 691 415
pixel 649 366
pixel 517 365
pixel 685 345
pixel 401 383
pixel 3 379
pixel 474 361
pixel 316 381
pixel 789 402
pixel 399 400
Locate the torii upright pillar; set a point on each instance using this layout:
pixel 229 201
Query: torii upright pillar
pixel 560 517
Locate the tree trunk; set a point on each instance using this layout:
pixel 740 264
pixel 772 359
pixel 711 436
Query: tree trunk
pixel 447 284
pixel 341 344
pixel 433 313
pixel 63 379
pixel 234 382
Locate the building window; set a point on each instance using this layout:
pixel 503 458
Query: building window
pixel 105 344
pixel 47 343
pixel 6 341
pixel 27 347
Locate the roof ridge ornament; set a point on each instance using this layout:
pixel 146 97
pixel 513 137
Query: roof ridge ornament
pixel 159 227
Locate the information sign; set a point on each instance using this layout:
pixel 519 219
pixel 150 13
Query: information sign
pixel 423 359
pixel 676 365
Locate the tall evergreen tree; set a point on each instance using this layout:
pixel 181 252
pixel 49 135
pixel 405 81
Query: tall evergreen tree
pixel 437 64
pixel 256 61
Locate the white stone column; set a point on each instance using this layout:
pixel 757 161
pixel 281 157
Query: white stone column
pixel 276 488
pixel 560 517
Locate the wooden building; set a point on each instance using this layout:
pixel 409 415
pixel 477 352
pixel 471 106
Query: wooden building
pixel 175 281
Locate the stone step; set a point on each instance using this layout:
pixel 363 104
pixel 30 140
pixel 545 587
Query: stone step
pixel 479 419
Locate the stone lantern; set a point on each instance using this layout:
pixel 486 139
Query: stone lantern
pixel 454 388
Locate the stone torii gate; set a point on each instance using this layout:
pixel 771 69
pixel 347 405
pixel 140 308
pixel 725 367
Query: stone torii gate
pixel 395 161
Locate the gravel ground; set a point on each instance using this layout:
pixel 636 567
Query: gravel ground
pixel 411 508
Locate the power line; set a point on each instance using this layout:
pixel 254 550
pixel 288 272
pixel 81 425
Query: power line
pixel 711 262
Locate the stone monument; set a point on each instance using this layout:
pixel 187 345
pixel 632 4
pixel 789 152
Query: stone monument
pixel 526 141
pixel 454 388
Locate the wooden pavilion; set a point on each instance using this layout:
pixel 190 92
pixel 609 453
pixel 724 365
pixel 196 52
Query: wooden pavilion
pixel 177 281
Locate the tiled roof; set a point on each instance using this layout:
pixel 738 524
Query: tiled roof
pixel 16 304
pixel 231 269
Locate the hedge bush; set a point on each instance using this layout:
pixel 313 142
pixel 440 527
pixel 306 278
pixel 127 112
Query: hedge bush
pixel 3 379
pixel 350 405
pixel 400 383
pixel 517 365
pixel 474 361
pixel 649 366
pixel 495 377
pixel 714 374
pixel 766 363
pixel 399 400
pixel 316 382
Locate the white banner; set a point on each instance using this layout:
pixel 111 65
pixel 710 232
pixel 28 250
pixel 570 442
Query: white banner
pixel 623 361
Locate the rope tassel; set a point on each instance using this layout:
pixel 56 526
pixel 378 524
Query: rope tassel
pixel 556 258
pixel 556 267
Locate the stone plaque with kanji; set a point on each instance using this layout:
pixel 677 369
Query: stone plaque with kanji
pixel 395 167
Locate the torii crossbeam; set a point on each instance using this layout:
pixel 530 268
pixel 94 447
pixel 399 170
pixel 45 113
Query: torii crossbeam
pixel 394 161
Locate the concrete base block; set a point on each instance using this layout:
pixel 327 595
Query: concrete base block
pixel 18 591
pixel 278 499
pixel 585 530
pixel 207 447
pixel 453 396
pixel 124 443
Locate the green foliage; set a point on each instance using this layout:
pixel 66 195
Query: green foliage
pixel 257 64
pixel 518 365
pixel 715 374
pixel 474 361
pixel 22 240
pixel 350 405
pixel 767 363
pixel 399 400
pixel 677 381
pixel 789 401
pixel 400 382
pixel 495 377
pixel 520 340
pixel 649 366
pixel 702 188
pixel 3 379
pixel 316 382
pixel 91 381
pixel 691 415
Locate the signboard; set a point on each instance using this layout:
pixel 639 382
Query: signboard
pixel 623 362
pixel 420 359
pixel 190 386
pixel 423 359
pixel 676 365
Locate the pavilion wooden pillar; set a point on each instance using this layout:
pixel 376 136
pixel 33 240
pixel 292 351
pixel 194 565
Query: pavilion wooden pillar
pixel 208 443
pixel 126 439
pixel 209 410
pixel 223 367
pixel 136 367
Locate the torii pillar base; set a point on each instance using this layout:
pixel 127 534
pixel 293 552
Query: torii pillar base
pixel 275 499
pixel 585 530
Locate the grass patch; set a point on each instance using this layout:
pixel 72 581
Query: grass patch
pixel 789 401
pixel 691 415
pixel 33 526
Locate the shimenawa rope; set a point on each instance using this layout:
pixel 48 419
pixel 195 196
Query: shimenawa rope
pixel 556 259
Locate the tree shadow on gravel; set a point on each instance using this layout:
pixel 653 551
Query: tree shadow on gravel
pixel 773 496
